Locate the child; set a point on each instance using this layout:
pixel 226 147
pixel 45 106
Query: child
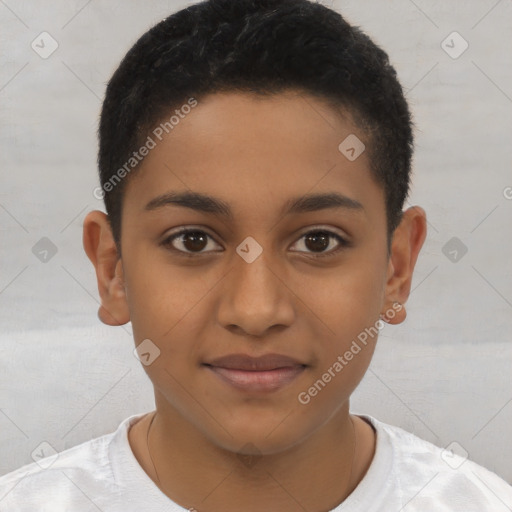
pixel 254 161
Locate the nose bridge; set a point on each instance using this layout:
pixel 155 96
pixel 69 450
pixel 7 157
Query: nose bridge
pixel 254 275
pixel 253 297
pixel 254 281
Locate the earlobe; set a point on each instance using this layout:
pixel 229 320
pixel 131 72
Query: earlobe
pixel 100 248
pixel 407 242
pixel 396 314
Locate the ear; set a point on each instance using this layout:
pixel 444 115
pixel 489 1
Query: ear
pixel 100 247
pixel 407 242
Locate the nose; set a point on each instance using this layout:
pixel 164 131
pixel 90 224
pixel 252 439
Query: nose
pixel 255 297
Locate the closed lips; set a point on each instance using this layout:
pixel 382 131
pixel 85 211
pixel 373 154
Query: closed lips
pixel 263 363
pixel 256 374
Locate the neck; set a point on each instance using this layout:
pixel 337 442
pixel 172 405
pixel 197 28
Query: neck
pixel 316 474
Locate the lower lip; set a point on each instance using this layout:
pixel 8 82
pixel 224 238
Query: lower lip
pixel 258 381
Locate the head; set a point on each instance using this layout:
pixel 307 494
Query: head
pixel 279 136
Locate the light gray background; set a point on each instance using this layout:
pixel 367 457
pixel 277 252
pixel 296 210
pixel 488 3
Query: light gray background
pixel 444 374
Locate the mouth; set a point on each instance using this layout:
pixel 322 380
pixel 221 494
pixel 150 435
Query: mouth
pixel 256 374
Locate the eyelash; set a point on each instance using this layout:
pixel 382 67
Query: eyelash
pixel 342 242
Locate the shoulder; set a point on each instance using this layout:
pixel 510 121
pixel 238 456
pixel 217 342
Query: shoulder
pixel 430 476
pixel 69 478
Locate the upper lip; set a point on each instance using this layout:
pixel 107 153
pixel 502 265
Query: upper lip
pixel 262 363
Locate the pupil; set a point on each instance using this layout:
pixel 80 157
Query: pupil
pixel 320 241
pixel 195 240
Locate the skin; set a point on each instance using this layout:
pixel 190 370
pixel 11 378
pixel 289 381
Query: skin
pixel 255 154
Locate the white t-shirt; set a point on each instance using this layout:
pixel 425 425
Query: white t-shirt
pixel 406 474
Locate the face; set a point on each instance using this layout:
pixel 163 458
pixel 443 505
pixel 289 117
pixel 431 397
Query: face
pixel 268 291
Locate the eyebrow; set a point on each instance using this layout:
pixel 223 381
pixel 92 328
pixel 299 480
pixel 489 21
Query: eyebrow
pixel 209 204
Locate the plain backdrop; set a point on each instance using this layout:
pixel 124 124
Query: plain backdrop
pixel 444 374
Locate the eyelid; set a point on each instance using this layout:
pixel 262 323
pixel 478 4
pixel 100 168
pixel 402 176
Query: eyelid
pixel 343 240
pixel 173 235
pixel 186 228
pixel 323 227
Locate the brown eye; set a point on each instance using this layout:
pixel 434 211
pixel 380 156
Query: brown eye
pixel 318 241
pixel 188 241
pixel 194 241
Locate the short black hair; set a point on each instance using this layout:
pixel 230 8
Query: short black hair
pixel 263 47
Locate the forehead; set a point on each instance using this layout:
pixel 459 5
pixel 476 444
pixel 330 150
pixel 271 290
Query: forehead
pixel 256 151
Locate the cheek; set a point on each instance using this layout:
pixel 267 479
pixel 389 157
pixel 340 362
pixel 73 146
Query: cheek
pixel 346 301
pixel 348 305
pixel 161 297
pixel 332 385
pixel 167 306
pixel 346 352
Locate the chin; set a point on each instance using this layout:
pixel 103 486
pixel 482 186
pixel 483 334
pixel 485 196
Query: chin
pixel 253 435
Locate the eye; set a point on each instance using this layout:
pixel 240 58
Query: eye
pixel 319 240
pixel 192 240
